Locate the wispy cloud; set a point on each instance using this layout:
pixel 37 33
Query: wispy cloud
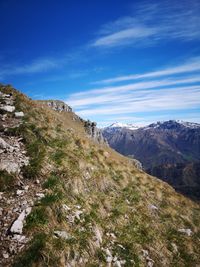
pixel 174 93
pixel 36 66
pixel 42 65
pixel 192 66
pixel 125 36
pixel 151 23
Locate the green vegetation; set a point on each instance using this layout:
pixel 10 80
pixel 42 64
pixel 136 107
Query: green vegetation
pixel 34 253
pixel 37 217
pixel 58 156
pixel 51 182
pixel 51 198
pixel 110 194
pixel 7 181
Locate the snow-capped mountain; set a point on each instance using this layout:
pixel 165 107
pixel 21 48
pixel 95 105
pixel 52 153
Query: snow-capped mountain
pixel 165 149
pixel 172 124
pixel 118 126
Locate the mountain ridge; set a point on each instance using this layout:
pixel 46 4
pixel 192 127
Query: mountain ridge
pixel 159 144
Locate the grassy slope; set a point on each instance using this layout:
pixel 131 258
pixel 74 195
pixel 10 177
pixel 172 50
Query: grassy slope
pixel 112 194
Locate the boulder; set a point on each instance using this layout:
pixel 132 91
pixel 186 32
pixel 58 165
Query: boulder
pixel 62 234
pixel 8 108
pixel 19 114
pixel 10 167
pixel 18 224
pixel 187 231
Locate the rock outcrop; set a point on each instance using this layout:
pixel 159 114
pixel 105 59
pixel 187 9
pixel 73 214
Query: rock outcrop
pixel 57 105
pixel 90 127
pixel 94 132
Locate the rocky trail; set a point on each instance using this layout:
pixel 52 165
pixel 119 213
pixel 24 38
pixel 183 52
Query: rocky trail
pixel 14 205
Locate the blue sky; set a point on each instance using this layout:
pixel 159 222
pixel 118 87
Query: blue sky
pixel 114 60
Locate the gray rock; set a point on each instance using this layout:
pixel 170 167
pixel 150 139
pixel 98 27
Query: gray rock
pixel 57 105
pixel 19 114
pixel 40 195
pixel 62 234
pixel 117 264
pixel 19 192
pixel 8 108
pixel 10 167
pixel 17 226
pixel 94 132
pixel 187 231
pixel 153 207
pixel 5 255
pixel 4 144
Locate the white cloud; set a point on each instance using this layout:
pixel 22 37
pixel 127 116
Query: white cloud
pixel 192 66
pixel 155 102
pixel 174 93
pixel 135 86
pixel 129 35
pixel 151 23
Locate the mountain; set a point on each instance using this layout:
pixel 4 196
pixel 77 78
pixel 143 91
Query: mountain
pixel 117 126
pixel 68 199
pixel 161 147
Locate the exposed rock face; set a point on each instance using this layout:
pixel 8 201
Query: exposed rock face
pixel 57 105
pixel 169 150
pixel 94 132
pixel 90 127
pixel 135 162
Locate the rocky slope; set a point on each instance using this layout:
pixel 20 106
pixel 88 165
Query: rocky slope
pixel 79 203
pixel 90 127
pixel 159 146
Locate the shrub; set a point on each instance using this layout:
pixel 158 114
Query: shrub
pixel 51 182
pixel 51 198
pixel 36 218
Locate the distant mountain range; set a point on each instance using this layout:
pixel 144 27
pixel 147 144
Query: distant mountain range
pixel 169 150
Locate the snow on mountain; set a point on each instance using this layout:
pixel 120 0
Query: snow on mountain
pixel 160 125
pixel 119 125
pixel 172 124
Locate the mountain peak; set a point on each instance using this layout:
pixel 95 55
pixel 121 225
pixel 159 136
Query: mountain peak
pixel 119 125
pixel 173 124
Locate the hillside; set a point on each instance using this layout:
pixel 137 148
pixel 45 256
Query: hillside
pixel 67 199
pixel 160 145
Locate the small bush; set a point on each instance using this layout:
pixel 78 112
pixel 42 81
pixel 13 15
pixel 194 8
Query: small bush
pixel 36 218
pixel 51 182
pixel 51 198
